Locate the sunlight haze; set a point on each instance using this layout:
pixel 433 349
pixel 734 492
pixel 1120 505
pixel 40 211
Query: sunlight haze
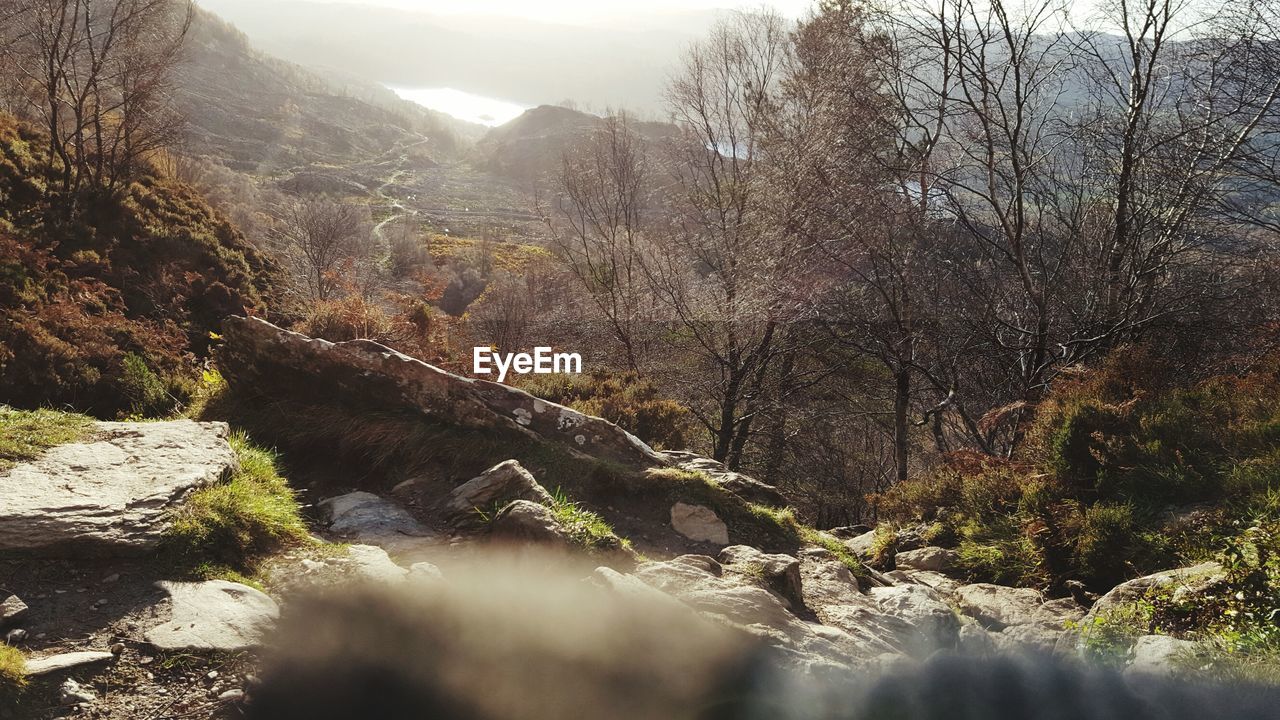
pixel 577 11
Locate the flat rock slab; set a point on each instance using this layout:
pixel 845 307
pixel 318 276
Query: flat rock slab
pixel 369 519
pixel 214 615
pixel 114 490
pixel 66 661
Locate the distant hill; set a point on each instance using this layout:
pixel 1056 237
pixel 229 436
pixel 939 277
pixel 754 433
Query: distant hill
pixel 616 64
pixel 258 114
pixel 531 146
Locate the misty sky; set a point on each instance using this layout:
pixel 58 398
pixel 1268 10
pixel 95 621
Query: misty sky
pixel 573 11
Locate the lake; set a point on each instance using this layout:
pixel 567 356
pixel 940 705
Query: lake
pixel 463 105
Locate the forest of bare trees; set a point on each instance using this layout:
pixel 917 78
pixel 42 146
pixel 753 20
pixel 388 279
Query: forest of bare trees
pixel 885 233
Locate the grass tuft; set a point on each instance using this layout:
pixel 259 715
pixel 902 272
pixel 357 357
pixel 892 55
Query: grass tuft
pixel 585 528
pixel 26 434
pixel 13 674
pixel 229 527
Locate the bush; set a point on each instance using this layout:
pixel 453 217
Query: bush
pixel 348 318
pixel 149 269
pixel 236 523
pixel 1105 543
pixel 634 404
pixel 146 392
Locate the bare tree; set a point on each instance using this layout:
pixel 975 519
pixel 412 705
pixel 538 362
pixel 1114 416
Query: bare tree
pixel 596 221
pixel 720 271
pixel 95 73
pixel 321 237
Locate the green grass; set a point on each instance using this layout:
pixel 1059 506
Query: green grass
pixel 585 528
pixel 26 434
pixel 786 518
pixel 13 674
pixel 230 526
pixel 1107 637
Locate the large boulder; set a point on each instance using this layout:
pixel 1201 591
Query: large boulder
pixel 932 559
pixel 493 489
pixel 1160 654
pixel 214 615
pixel 861 545
pixel 934 623
pixel 114 491
pixel 266 360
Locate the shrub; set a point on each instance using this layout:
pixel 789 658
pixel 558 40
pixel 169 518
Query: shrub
pixel 624 398
pixel 1105 542
pixel 145 391
pixel 347 318
pixel 236 523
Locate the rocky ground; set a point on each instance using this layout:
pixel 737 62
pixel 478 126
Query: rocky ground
pixel 108 632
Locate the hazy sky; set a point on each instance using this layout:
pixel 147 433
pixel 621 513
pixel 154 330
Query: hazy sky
pixel 560 11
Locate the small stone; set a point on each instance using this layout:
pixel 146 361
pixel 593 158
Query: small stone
pixel 12 609
pixel 117 649
pixel 113 577
pixel 211 675
pixel 233 695
pixel 72 693
pixel 15 636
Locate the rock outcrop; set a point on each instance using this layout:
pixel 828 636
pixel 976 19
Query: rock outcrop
pixel 114 491
pixel 744 486
pixel 265 359
pixel 701 583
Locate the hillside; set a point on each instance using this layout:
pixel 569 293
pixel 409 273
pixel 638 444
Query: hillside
pixel 261 115
pixel 531 146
